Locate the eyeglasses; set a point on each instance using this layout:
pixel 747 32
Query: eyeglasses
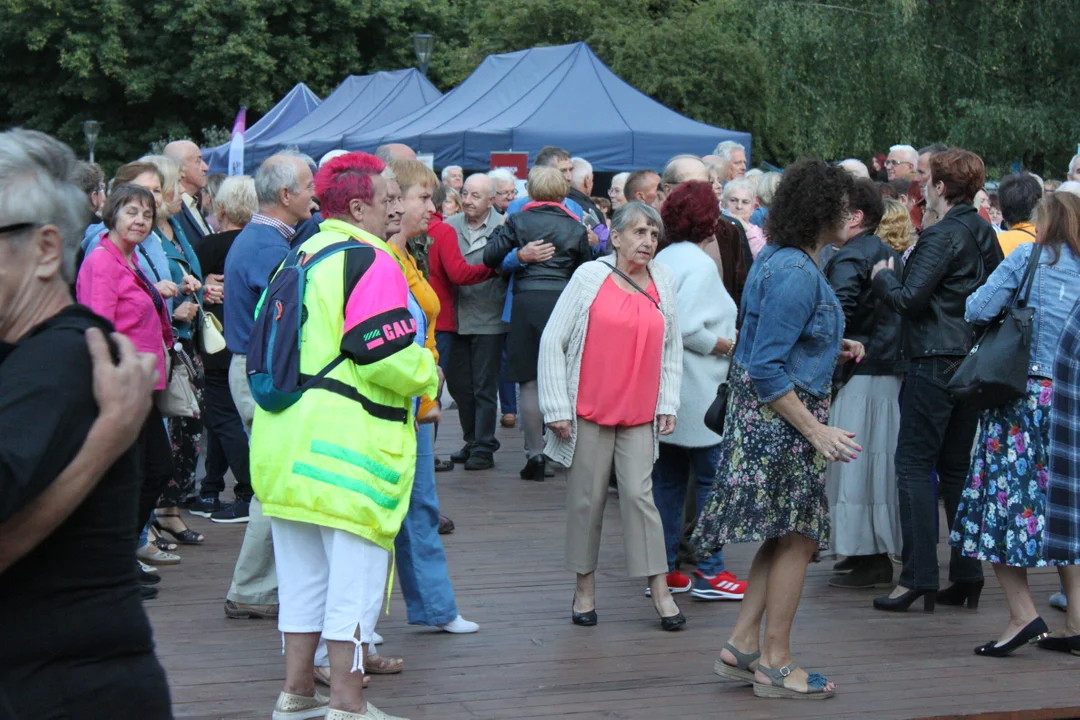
pixel 508 194
pixel 16 227
pixel 894 163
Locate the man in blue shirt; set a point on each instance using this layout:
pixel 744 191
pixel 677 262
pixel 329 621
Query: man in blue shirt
pixel 285 187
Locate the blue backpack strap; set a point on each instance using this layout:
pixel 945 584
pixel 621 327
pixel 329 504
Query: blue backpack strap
pixel 320 255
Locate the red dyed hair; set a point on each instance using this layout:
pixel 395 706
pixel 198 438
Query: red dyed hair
pixel 689 213
pixel 345 178
pixel 962 172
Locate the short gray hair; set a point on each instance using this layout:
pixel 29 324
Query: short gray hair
pixel 37 185
pixel 169 169
pixel 237 200
pixel 331 155
pixel 633 211
pixel 855 168
pixel 766 187
pixel 1073 165
pixel 725 149
pixel 500 176
pixel 739 184
pixel 909 151
pixel 1070 186
pixel 446 171
pixel 619 179
pixel 581 169
pixel 276 172
pixel 384 153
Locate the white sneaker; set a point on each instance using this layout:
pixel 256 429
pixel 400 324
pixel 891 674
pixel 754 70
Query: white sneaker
pixel 376 638
pixel 147 568
pixel 373 713
pixel 460 626
pixel 300 707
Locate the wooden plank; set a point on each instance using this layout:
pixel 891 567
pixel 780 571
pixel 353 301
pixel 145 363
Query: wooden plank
pixel 529 661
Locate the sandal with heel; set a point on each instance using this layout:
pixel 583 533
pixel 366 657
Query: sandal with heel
pixel 742 670
pixel 187 536
pixel 815 685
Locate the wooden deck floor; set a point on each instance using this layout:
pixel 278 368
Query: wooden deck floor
pixel 529 661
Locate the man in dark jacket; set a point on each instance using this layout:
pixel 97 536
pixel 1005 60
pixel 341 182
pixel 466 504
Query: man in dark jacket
pixel 950 261
pixel 193 171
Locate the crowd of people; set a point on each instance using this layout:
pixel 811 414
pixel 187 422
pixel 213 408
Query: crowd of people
pixel 296 329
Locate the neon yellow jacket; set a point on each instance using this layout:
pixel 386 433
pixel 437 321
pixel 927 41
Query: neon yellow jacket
pixel 344 455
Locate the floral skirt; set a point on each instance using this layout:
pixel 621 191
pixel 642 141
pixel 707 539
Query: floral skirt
pixel 1001 515
pixel 770 481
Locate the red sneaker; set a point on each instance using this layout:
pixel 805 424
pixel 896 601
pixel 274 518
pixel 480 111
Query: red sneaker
pixel 676 582
pixel 724 586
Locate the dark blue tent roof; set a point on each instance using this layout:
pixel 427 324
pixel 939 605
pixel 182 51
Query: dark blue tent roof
pixel 360 103
pixel 289 110
pixel 561 96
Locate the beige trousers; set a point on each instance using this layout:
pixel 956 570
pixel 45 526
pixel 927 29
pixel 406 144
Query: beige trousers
pixel 631 450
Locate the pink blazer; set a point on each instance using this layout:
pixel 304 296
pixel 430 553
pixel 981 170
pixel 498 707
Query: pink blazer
pixel 108 285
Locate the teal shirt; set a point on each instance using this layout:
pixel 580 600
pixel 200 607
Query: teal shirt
pixel 182 261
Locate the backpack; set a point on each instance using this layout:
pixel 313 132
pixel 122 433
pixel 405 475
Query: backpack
pixel 273 360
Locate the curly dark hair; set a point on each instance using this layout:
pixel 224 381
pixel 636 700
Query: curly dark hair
pixel 811 200
pixel 689 213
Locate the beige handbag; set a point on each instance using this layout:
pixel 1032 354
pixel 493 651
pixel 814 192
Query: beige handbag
pixel 178 397
pixel 213 337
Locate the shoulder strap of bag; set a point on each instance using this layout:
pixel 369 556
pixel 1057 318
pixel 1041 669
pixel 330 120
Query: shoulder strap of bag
pixel 1029 277
pixel 637 287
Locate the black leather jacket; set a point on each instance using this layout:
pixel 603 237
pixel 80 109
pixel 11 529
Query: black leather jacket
pixel 866 319
pixel 951 260
pixel 546 222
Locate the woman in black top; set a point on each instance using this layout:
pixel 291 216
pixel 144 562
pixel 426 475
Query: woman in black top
pixel 536 289
pixel 74 639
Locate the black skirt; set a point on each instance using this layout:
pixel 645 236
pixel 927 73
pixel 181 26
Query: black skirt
pixel 529 314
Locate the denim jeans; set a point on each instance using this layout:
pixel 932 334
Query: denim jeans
pixel 421 560
pixel 671 475
pixel 935 432
pixel 507 390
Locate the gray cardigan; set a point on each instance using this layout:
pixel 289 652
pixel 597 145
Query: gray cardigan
pixel 563 342
pixel 479 307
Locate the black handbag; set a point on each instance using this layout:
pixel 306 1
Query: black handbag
pixel 714 416
pixel 995 372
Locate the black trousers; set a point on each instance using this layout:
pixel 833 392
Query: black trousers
pixel 156 464
pixel 473 381
pixel 227 443
pixel 935 432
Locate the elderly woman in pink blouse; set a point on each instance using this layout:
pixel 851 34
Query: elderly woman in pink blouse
pixel 111 284
pixel 738 201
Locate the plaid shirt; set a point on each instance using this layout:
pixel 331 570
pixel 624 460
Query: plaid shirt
pixel 1061 541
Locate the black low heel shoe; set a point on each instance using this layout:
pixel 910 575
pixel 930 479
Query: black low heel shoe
pixel 534 469
pixel 672 622
pixel 962 593
pixel 1033 632
pixel 902 603
pixel 585 619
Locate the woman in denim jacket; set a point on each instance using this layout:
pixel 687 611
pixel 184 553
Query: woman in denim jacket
pixel 1001 516
pixel 770 485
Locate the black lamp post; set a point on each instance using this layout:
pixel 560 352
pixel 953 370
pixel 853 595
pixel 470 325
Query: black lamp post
pixel 91 129
pixel 423 44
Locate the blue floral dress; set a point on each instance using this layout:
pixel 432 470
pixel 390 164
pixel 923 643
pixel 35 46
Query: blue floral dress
pixel 1001 516
pixel 770 481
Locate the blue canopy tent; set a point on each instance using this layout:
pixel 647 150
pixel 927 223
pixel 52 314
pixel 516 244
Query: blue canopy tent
pixel 360 103
pixel 289 110
pixel 561 96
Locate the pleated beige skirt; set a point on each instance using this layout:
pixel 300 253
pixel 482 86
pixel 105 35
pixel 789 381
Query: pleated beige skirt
pixel 862 494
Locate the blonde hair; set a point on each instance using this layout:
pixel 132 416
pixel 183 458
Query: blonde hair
pixel 170 176
pixel 547 184
pixel 453 196
pixel 895 227
pixel 236 199
pixel 413 172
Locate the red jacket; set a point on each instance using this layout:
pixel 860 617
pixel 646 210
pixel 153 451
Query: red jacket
pixel 447 269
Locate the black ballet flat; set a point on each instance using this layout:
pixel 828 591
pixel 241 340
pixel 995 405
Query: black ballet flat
pixel 961 593
pixel 1035 631
pixel 674 622
pixel 903 602
pixel 1070 644
pixel 585 619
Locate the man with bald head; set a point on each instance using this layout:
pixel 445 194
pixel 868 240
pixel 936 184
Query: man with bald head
pixel 472 375
pixel 856 168
pixel 680 169
pixel 395 151
pixel 284 187
pixel 193 171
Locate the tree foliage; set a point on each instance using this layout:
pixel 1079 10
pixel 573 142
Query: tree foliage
pixel 835 78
